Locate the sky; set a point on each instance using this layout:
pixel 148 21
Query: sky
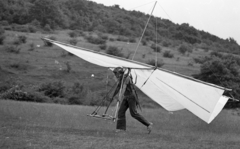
pixel 217 17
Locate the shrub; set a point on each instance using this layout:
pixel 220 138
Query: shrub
pixel 199 60
pixel 2 31
pixel 103 46
pixel 95 40
pixel 12 49
pixel 20 28
pixel 32 47
pixel 111 39
pixel 121 38
pixel 144 42
pixel 152 62
pixel 35 23
pixel 68 67
pixel 156 48
pixel 17 93
pixel 2 37
pixel 190 63
pixel 77 93
pixel 168 54
pixel 73 34
pixel 112 50
pixel 4 23
pixel 32 29
pixel 17 42
pixel 47 28
pixel 53 89
pixel 184 48
pixel 132 40
pixel 73 41
pixel 105 37
pixel 22 38
pixel 19 66
pixel 166 43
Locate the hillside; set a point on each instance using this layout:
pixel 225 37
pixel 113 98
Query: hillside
pixel 33 15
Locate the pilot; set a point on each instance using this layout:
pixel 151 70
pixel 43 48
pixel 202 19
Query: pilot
pixel 128 99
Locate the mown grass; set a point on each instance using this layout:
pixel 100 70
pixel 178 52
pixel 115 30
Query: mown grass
pixel 34 125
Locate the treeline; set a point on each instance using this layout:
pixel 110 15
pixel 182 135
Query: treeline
pixel 33 15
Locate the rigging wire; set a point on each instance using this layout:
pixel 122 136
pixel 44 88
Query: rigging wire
pixel 156 64
pixel 141 5
pixel 143 31
pixel 165 12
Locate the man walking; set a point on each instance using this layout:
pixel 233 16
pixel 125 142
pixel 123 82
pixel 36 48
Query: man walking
pixel 128 99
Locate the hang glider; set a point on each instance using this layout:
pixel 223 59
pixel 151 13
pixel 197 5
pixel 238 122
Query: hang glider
pixel 171 90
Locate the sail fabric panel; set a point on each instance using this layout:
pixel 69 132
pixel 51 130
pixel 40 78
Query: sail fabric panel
pixel 218 107
pixel 172 91
pixel 200 99
pixel 100 59
pixel 156 92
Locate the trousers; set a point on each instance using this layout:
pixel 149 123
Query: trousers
pixel 129 102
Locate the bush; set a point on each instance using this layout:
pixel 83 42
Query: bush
pixel 132 40
pixel 68 69
pixel 4 23
pixel 2 37
pixel 47 28
pixel 156 48
pixel 2 31
pixel 111 39
pixel 32 47
pixel 166 43
pixel 12 49
pixel 73 41
pixel 22 38
pixel 53 89
pixel 77 93
pixel 152 62
pixel 121 38
pixel 184 48
pixel 32 29
pixel 95 40
pixel 16 93
pixel 105 37
pixel 17 42
pixel 19 66
pixel 20 28
pixel 112 50
pixel 199 60
pixel 73 34
pixel 103 46
pixel 144 42
pixel 168 54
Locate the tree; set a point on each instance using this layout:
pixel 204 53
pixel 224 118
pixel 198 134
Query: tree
pixel 47 12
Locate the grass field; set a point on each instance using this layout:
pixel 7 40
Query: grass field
pixel 33 125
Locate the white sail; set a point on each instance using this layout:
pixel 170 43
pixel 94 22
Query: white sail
pixel 171 90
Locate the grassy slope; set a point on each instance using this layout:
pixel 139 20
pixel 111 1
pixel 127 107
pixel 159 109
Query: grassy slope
pixel 33 125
